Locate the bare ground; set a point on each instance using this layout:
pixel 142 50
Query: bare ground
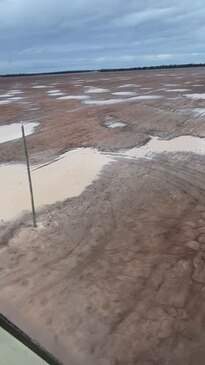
pixel 115 276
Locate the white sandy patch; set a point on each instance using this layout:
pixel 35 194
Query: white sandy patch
pixel 16 91
pixel 174 98
pixel 95 90
pixel 112 123
pixel 106 78
pixel 125 93
pixel 198 85
pixel 115 125
pixel 57 94
pixel 155 146
pixel 104 102
pixel 53 91
pixel 40 87
pixel 129 85
pixel 12 131
pixel 65 178
pixel 7 95
pixel 170 85
pixel 74 97
pixel 196 96
pixel 146 97
pixel 11 94
pixel 176 90
pixel 118 101
pixel 199 112
pixel 16 98
pixel 4 102
pixel 146 88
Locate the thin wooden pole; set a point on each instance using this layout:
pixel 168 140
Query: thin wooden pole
pixel 29 176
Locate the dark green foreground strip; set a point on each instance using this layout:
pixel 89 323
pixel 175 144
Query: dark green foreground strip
pixel 27 341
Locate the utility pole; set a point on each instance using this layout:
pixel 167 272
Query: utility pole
pixel 29 176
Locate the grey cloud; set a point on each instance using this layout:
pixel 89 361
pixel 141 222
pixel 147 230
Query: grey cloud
pixel 40 35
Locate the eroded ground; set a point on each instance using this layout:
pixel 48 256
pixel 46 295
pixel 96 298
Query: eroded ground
pixel 115 275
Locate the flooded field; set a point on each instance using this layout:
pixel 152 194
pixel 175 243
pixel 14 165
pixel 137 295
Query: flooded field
pixel 69 175
pixel 64 178
pixel 12 131
pixel 114 272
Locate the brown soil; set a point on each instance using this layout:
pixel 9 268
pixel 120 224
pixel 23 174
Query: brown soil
pixel 116 275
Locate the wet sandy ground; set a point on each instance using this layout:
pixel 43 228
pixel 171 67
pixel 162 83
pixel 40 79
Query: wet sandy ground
pixel 115 275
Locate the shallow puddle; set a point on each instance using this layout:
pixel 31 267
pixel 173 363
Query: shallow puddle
pixel 4 102
pixel 156 146
pixel 112 122
pixel 145 97
pixel 95 90
pixel 176 90
pixel 170 85
pixel 118 101
pixel 12 131
pixel 196 96
pixel 58 93
pixel 129 85
pixel 16 91
pixel 53 91
pixel 104 102
pixel 65 178
pixel 73 97
pixel 40 87
pixel 69 175
pixel 199 112
pixel 125 93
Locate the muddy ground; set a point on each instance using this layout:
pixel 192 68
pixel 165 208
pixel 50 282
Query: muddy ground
pixel 115 276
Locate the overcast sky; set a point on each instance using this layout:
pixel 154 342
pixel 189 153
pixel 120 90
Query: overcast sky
pixel 49 35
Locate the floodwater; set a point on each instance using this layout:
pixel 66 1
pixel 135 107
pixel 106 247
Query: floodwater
pixel 104 102
pixel 176 90
pixel 69 175
pixel 118 101
pixel 170 85
pixel 40 86
pixel 129 85
pixel 53 91
pixel 12 131
pixel 196 96
pixel 199 112
pixel 112 123
pixel 125 93
pixel 95 90
pixel 145 97
pixel 56 94
pixel 156 146
pixel 115 124
pixel 64 178
pixel 4 102
pixel 73 97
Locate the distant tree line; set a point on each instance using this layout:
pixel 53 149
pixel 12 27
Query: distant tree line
pixel 46 73
pixel 159 67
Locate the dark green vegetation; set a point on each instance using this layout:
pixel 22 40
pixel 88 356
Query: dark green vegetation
pixel 110 69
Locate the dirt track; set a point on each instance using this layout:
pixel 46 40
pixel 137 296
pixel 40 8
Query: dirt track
pixel 116 275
